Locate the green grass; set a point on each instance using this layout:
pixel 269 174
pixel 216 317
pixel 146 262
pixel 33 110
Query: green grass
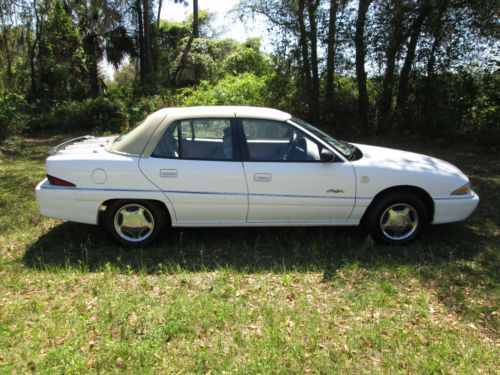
pixel 275 300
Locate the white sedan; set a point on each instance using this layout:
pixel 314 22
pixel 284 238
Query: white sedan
pixel 246 166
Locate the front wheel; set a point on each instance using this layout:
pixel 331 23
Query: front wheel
pixel 134 223
pixel 397 219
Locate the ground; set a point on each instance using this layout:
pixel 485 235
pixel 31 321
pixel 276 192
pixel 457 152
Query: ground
pixel 275 300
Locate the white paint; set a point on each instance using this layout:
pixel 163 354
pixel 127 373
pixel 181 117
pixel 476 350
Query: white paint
pixel 225 193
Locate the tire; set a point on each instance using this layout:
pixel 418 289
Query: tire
pixel 397 218
pixel 144 223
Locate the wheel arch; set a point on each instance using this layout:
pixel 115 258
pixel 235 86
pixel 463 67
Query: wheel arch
pixel 107 203
pixel 418 191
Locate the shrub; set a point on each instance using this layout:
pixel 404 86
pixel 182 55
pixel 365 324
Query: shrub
pixel 244 89
pixel 13 115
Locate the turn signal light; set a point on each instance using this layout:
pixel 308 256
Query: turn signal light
pixel 59 182
pixel 462 190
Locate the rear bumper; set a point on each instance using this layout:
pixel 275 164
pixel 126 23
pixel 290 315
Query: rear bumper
pixel 61 203
pixel 455 209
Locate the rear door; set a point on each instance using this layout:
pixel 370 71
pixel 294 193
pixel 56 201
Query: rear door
pixel 287 182
pixel 197 166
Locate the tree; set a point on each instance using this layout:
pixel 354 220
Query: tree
pixel 330 50
pixel 363 105
pixel 395 12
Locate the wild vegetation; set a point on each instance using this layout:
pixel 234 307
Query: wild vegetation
pixel 372 67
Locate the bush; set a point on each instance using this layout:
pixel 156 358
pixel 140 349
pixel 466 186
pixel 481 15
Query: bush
pixel 111 113
pixel 244 89
pixel 13 115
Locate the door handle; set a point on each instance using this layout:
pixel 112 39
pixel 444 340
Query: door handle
pixel 262 177
pixel 168 173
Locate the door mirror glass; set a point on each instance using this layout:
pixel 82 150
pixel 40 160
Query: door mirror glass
pixel 327 156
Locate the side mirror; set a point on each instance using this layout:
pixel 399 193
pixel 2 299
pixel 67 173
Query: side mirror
pixel 326 156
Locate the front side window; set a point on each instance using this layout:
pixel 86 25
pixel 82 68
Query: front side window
pixel 200 139
pixel 278 141
pixel 341 146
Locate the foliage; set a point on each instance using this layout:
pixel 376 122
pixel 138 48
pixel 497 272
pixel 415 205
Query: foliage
pixel 243 89
pixel 247 58
pixel 13 116
pixel 431 66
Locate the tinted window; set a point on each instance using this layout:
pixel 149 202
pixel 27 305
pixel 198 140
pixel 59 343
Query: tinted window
pixel 205 139
pixel 278 141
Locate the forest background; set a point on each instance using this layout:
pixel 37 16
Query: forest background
pixel 412 68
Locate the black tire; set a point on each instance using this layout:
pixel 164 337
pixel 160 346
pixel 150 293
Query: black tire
pixel 395 212
pixel 147 221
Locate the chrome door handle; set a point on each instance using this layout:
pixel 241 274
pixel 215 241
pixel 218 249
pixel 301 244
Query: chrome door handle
pixel 262 177
pixel 168 173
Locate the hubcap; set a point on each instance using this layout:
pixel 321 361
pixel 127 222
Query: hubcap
pixel 399 221
pixel 134 222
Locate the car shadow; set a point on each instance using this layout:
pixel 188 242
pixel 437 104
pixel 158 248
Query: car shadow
pixel 244 249
pixel 439 258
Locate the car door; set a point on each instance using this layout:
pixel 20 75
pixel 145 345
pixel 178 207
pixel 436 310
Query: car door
pixel 199 170
pixel 287 182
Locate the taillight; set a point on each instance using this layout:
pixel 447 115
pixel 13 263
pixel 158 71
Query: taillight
pixel 58 182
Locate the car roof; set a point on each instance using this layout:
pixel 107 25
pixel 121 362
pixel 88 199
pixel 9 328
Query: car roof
pixel 141 140
pixel 227 111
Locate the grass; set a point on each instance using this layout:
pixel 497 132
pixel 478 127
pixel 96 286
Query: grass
pixel 275 300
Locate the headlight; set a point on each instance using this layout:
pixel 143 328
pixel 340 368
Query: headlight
pixel 462 190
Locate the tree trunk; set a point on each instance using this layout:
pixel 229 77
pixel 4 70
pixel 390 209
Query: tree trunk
pixel 147 39
pixel 196 23
pixel 393 47
pixel 142 60
pixel 196 35
pixel 330 52
pixel 6 47
pixel 157 38
pixel 175 76
pixel 360 62
pixel 306 66
pixel 92 54
pixel 404 77
pixel 429 98
pixel 39 45
pixel 312 7
pixel 31 56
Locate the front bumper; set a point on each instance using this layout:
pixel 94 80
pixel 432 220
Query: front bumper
pixel 454 209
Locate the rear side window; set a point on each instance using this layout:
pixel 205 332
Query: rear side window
pixel 198 139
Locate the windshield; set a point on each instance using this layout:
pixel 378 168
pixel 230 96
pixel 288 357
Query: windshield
pixel 343 147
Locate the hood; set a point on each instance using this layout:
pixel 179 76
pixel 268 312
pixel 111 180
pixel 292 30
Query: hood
pixel 389 158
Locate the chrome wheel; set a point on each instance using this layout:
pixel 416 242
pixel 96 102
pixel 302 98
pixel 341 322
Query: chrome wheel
pixel 134 223
pixel 399 221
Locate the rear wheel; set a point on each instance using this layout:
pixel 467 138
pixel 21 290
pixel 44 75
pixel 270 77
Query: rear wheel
pixel 134 223
pixel 397 219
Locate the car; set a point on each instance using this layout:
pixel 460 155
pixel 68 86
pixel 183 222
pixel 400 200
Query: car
pixel 230 166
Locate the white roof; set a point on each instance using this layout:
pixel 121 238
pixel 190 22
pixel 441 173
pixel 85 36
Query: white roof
pixel 142 139
pixel 226 111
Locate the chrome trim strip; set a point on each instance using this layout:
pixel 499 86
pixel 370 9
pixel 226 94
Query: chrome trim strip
pixel 200 192
pixel 457 198
pixel 300 196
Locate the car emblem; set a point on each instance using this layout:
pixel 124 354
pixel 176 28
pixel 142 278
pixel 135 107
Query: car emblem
pixel 335 191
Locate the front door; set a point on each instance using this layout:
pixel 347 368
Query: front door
pixel 196 167
pixel 287 182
